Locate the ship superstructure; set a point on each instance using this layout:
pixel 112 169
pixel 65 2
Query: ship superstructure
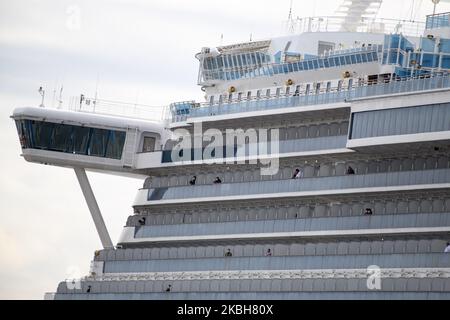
pixel 316 168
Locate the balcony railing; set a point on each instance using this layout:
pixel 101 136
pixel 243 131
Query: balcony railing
pixel 286 146
pixel 302 185
pixel 117 108
pixel 366 25
pixel 332 59
pixel 280 263
pixel 335 95
pixel 418 220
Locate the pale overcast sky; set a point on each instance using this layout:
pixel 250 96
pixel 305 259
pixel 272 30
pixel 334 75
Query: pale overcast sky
pixel 139 51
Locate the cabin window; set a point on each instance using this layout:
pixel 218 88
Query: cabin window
pixel 268 93
pixel 149 144
pixel 249 95
pixel 278 92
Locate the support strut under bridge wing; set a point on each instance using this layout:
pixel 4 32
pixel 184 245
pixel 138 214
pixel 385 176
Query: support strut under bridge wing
pixel 93 208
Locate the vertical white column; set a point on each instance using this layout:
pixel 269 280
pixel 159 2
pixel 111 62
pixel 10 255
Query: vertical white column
pixel 93 208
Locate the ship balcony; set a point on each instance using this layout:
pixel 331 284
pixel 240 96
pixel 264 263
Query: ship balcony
pixel 438 260
pixel 285 148
pixel 420 124
pixel 377 221
pixel 334 97
pixel 379 182
pixel 239 288
pixel 225 68
pixel 341 247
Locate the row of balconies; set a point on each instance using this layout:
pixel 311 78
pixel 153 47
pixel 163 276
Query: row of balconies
pixel 257 289
pixel 310 170
pixel 244 190
pixel 297 225
pixel 431 260
pixel 342 248
pixel 288 211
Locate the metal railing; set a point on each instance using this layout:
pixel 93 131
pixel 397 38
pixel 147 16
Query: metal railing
pixel 256 189
pixel 330 59
pixel 352 261
pixel 334 95
pixel 284 146
pixel 417 220
pixel 366 25
pixel 117 108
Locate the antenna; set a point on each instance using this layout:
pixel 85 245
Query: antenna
pixel 290 22
pixel 290 11
pixel 436 2
pixel 96 91
pixel 60 101
pixel 42 93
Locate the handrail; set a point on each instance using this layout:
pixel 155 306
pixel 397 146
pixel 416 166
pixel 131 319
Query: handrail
pixel 379 25
pixel 357 90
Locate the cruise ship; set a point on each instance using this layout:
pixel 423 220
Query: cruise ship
pixel 317 167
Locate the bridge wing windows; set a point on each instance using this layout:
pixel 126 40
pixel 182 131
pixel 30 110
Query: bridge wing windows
pixel 80 139
pixel 115 144
pixel 62 138
pixel 99 140
pixel 42 133
pixel 71 139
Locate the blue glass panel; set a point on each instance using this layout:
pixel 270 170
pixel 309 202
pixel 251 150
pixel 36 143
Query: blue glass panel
pixel 98 142
pixel 115 144
pixel 62 138
pixel 80 140
pixel 42 132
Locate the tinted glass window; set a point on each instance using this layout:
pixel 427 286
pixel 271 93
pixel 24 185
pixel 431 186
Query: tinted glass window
pixel 97 146
pixel 42 134
pixel 115 145
pixel 71 139
pixel 80 140
pixel 62 138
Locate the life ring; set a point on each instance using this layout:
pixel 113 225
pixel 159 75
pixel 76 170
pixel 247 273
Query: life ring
pixel 232 89
pixel 290 82
pixel 346 75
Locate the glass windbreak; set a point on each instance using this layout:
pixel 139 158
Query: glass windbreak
pixel 71 139
pixel 401 121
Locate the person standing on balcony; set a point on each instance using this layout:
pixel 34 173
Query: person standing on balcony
pixel 447 249
pixel 298 174
pixel 193 181
pixel 217 181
